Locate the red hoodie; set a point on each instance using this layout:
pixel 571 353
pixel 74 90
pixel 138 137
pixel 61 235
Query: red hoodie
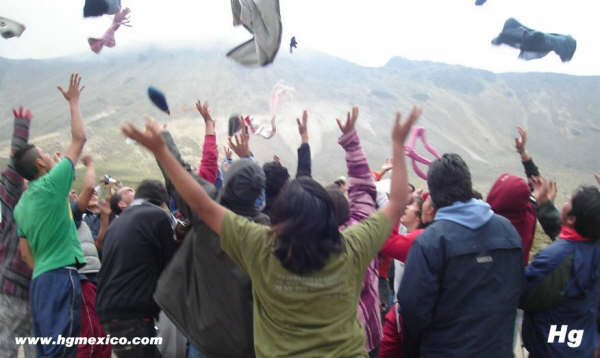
pixel 509 197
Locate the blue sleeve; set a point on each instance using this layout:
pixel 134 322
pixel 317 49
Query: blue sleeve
pixel 547 278
pixel 544 263
pixel 420 286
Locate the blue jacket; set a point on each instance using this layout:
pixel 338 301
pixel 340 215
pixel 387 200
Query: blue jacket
pixel 461 285
pixel 580 292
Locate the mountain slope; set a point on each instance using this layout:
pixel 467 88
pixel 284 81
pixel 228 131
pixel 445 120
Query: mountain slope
pixel 468 111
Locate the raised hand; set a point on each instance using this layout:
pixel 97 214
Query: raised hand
pixel 553 190
pixel 387 166
pixel 204 111
pixel 56 157
pixel 401 130
pixel 303 127
pixel 350 121
pixel 521 141
pixel 21 114
pixel 541 189
pixel 105 207
pixel 87 160
pixel 240 146
pixel 597 176
pixel 75 89
pixel 151 137
pixel 208 121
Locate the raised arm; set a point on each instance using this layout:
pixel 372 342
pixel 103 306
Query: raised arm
pixel 209 167
pixel 520 143
pixel 180 204
pixel 547 214
pixel 304 161
pixel 386 167
pixel 399 185
pixel 12 183
pixel 362 191
pixel 208 210
pixel 88 182
pixel 78 137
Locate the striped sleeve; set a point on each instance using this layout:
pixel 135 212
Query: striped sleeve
pixel 362 191
pixel 12 183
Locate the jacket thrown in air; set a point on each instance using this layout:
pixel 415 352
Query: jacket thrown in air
pixel 563 288
pixel 461 285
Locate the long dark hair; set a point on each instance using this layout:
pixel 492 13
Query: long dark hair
pixel 304 225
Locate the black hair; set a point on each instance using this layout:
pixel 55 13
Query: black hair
pixel 585 206
pixel 477 195
pixel 339 182
pixel 449 180
pixel 152 190
pixel 114 203
pixel 24 161
pixel 340 204
pixel 304 226
pixel 418 199
pixel 277 176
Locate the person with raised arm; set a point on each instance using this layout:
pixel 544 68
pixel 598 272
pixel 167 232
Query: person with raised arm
pixel 359 205
pixel 209 167
pixel 562 291
pixel 544 211
pixel 90 324
pixel 48 237
pixel 15 274
pixel 277 175
pixel 306 275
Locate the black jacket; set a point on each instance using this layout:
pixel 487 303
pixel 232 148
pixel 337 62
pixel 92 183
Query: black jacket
pixel 137 247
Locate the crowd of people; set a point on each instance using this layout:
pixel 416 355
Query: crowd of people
pixel 241 260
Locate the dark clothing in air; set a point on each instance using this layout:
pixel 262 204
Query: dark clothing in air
pixel 535 44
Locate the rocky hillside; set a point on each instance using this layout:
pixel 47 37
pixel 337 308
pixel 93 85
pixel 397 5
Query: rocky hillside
pixel 468 111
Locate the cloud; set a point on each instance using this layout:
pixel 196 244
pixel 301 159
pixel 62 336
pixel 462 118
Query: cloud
pixel 365 32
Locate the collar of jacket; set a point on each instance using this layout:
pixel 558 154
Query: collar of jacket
pixel 567 233
pixel 172 219
pixel 472 214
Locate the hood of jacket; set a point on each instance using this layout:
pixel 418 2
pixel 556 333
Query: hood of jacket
pixel 472 214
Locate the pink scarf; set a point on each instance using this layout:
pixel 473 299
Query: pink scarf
pixel 108 40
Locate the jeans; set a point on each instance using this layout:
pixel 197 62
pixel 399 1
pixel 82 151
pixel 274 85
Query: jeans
pixel 55 300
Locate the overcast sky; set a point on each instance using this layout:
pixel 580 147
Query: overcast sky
pixel 367 32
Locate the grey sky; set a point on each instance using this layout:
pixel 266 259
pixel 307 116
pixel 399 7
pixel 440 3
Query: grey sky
pixel 367 32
